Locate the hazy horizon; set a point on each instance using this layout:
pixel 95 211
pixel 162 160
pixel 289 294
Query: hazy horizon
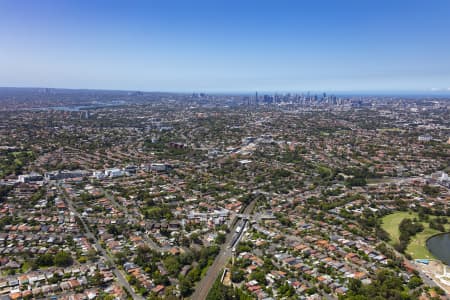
pixel 435 93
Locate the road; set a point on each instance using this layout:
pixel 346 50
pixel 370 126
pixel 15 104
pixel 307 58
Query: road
pixel 425 278
pixel 204 286
pixel 149 242
pixel 120 277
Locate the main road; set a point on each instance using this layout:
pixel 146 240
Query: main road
pixel 204 286
pixel 120 277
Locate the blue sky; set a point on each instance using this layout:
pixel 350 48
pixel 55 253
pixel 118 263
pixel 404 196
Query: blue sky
pixel 227 46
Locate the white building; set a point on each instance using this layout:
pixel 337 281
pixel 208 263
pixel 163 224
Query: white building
pixel 159 167
pixel 99 174
pixel 425 138
pixel 30 177
pixel 115 172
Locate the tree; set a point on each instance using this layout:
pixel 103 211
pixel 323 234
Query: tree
pixel 97 279
pixel 354 285
pixel 63 259
pixel 237 275
pixel 222 292
pixel 382 234
pixel 432 191
pixel 45 260
pixel 172 265
pixel 259 276
pixel 439 290
pixel 114 230
pixel 435 224
pixel 286 290
pixel 121 257
pixel 185 287
pixel 415 282
pixel 220 239
pixel 407 228
pixel 386 285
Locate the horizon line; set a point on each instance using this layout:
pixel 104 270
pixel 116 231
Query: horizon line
pixel 387 92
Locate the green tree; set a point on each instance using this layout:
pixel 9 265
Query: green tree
pixel 415 282
pixel 237 275
pixel 45 260
pixel 63 259
pixel 185 287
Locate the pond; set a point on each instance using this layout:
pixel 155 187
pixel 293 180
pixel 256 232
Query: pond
pixel 439 245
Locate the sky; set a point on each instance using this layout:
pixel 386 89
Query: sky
pixel 227 46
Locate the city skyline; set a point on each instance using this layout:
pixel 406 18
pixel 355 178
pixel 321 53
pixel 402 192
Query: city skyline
pixel 227 46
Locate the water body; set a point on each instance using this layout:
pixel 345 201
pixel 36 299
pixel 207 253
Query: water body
pixel 69 108
pixel 82 107
pixel 439 245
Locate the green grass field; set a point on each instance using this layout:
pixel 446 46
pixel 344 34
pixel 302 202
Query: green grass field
pixel 417 247
pixel 391 222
